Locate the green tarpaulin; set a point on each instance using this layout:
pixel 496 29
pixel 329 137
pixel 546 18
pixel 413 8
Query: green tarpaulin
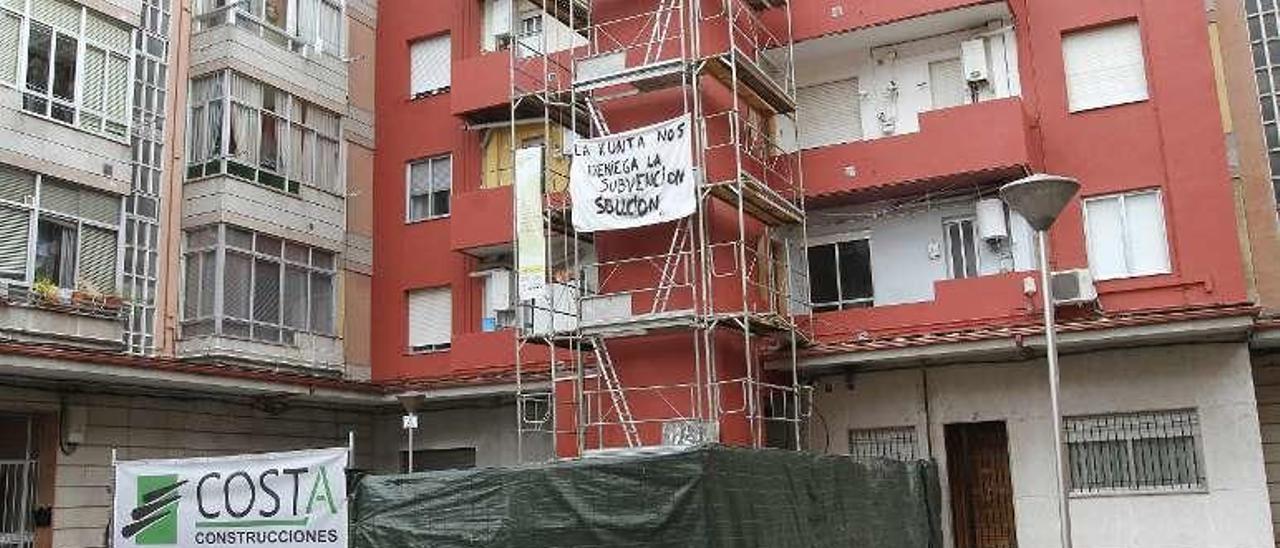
pixel 706 497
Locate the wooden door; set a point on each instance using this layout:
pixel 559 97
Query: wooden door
pixel 981 488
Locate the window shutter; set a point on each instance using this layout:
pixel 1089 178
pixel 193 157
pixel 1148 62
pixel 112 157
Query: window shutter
pixel 60 197
pixel 98 259
pixel 104 31
pixel 14 225
pixel 1105 225
pixel 266 291
pixel 117 88
pixel 1104 67
pixel 429 65
pixel 947 84
pixel 9 27
pixel 1148 249
pixel 430 317
pixel 95 61
pixel 16 185
pixel 100 207
pixel 830 113
pixel 191 287
pixel 57 13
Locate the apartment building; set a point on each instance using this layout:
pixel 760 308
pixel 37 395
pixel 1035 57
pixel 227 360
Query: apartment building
pixel 923 338
pixel 187 244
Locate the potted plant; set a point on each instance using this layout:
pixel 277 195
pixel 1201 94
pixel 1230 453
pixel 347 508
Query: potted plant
pixel 46 290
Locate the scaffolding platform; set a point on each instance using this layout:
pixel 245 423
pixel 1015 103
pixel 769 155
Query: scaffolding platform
pixel 639 324
pixel 762 90
pixel 648 77
pixel 758 199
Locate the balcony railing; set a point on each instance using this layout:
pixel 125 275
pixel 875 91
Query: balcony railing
pixel 64 300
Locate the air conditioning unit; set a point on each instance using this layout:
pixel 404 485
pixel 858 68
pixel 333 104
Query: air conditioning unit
pixel 1072 287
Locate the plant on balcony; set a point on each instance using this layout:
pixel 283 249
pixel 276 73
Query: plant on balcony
pixel 46 291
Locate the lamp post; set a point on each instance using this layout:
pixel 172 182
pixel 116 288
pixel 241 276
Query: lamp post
pixel 1039 199
pixel 411 404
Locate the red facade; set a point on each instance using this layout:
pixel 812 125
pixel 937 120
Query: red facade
pixel 1172 141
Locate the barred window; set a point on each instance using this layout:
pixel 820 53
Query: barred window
pixel 75 67
pixel 1147 451
pixel 271 289
pixel 271 137
pixel 895 443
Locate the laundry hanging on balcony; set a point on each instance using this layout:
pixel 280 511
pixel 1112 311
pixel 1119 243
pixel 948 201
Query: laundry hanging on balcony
pixel 636 178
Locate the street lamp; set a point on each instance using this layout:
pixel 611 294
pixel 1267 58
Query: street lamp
pixel 411 404
pixel 1039 199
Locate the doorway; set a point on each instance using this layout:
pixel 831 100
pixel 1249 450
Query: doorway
pixel 980 485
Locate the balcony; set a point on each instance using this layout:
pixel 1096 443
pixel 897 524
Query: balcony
pixel 64 317
pixel 307 352
pixel 812 20
pixel 984 141
pixel 481 220
pixel 481 87
pixel 312 216
pixel 231 37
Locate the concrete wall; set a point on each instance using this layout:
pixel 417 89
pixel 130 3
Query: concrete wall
pixel 1212 378
pixel 491 430
pixel 908 245
pixel 162 427
pixel 45 146
pixel 313 217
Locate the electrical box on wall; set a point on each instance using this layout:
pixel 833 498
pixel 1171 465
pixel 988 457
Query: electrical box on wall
pixel 973 55
pixel 992 227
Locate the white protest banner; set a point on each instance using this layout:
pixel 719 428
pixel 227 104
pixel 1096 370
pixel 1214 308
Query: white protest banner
pixel 637 178
pixel 531 244
pixel 295 499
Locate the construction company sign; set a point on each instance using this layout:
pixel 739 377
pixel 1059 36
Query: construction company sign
pixel 638 178
pixel 271 499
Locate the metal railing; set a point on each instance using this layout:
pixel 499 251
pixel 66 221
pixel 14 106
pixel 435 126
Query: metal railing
pixel 17 500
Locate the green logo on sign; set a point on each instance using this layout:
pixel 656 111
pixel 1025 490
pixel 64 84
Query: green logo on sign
pixel 155 520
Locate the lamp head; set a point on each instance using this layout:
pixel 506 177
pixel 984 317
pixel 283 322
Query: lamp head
pixel 1040 198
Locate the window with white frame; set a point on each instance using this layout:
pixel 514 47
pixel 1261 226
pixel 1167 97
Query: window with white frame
pixel 1104 66
pixel 429 66
pixel 840 275
pixel 1126 235
pixel 962 248
pixel 56 231
pixel 247 285
pixel 261 134
pixel 1147 451
pixel 430 314
pixel 317 23
pixel 430 182
pixel 71 63
pixel 895 443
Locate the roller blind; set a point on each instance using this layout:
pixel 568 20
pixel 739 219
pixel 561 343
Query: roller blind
pixel 829 113
pixel 429 65
pixel 430 317
pixel 14 225
pixel 98 259
pixel 946 83
pixel 10 24
pixel 1104 66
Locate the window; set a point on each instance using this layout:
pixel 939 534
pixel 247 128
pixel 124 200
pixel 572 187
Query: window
pixel 430 182
pixel 274 138
pixel 962 251
pixel 288 23
pixel 430 319
pixel 1264 35
pixel 426 460
pixel 829 113
pixel 840 275
pixel 895 443
pixel 1104 67
pixel 271 289
pixel 75 68
pixel 76 232
pixel 429 71
pixel 1147 451
pixel 947 85
pixel 1126 235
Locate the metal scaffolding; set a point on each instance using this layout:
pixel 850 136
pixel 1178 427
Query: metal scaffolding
pixel 735 268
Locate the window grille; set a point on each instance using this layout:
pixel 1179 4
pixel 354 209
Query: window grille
pixel 962 249
pixel 1147 451
pixel 895 443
